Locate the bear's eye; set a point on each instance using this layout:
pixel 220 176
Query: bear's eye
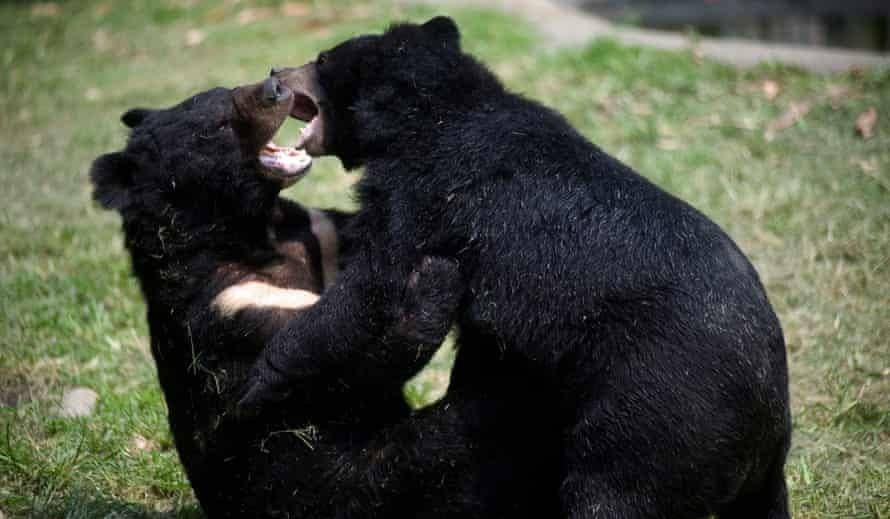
pixel 322 59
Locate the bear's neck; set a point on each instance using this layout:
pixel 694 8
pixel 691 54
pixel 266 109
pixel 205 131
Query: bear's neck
pixel 412 128
pixel 182 246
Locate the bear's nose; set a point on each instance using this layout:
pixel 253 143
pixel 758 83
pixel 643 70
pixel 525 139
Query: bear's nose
pixel 274 71
pixel 272 89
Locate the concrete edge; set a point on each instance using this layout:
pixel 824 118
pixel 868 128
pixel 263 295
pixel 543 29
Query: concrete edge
pixel 564 25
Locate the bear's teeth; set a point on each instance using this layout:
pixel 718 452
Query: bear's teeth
pixel 306 133
pixel 286 159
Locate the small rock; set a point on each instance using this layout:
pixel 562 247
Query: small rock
pixel 77 402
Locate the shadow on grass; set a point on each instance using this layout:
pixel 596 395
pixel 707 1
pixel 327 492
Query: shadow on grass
pixel 82 506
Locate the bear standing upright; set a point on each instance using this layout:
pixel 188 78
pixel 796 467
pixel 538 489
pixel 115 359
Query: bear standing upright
pixel 644 332
pixel 224 263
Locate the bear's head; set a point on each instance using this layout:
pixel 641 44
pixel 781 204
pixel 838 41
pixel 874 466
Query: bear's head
pixel 213 151
pixel 372 94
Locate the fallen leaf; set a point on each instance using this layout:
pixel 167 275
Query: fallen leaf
pixel 92 94
pixel 746 122
pixel 102 40
pixel 251 15
pixel 698 55
pixel 218 13
pixel 865 123
pixel 194 37
pixel 795 113
pixel 668 144
pixel 142 444
pixel 866 165
pixel 294 9
pixel 837 94
pixel 869 167
pixel 768 238
pixel 45 9
pixel 640 109
pixel 102 9
pixel 92 364
pixel 606 105
pixel 770 89
pixel 361 11
pixel 316 26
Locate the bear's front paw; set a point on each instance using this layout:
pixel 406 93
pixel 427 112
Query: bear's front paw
pixel 435 281
pixel 265 386
pixel 431 296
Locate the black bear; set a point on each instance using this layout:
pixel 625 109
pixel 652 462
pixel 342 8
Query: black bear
pixel 223 263
pixel 645 332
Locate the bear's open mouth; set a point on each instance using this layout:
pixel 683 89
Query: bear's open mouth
pixel 285 162
pixel 260 111
pixel 292 163
pixel 307 105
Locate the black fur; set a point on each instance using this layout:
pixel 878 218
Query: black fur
pixel 653 351
pixel 198 218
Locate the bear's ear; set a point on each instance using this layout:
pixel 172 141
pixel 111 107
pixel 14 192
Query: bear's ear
pixel 112 177
pixel 443 28
pixel 134 117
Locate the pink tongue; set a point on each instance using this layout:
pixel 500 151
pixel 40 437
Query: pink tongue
pixel 270 161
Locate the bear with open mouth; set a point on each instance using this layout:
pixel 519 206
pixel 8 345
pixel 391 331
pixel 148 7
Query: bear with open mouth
pixel 223 263
pixel 647 334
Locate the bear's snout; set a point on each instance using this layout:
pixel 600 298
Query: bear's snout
pixel 274 91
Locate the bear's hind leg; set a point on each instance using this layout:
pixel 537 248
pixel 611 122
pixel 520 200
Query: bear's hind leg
pixel 585 496
pixel 771 502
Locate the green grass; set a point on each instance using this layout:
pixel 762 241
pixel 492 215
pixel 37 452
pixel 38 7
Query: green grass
pixel 811 207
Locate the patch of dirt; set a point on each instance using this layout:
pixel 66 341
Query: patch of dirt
pixel 14 390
